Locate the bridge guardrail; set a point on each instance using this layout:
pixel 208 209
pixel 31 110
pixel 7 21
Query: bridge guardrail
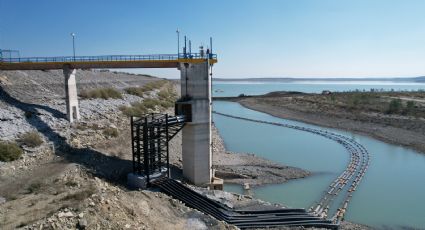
pixel 101 58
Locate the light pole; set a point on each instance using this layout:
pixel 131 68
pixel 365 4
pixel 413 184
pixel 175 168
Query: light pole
pixel 178 43
pixel 73 43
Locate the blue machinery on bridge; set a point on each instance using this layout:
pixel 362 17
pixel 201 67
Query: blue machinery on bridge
pixel 150 136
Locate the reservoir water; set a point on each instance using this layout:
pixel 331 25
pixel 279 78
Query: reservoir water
pixel 392 195
pixel 233 88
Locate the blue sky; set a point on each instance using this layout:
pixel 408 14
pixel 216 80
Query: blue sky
pixel 253 38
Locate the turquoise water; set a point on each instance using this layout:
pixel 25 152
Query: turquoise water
pixel 225 89
pixel 391 195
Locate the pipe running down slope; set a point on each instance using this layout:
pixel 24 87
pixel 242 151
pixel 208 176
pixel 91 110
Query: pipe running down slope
pixel 317 216
pixel 242 218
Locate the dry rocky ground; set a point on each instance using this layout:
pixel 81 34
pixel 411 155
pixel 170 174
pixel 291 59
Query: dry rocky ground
pixel 77 177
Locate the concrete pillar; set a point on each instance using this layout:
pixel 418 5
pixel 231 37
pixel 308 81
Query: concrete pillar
pixel 196 135
pixel 71 97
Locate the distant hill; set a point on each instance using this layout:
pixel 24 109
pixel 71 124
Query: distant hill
pixel 287 79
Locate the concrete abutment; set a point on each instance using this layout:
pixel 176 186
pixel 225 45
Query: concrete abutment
pixel 71 96
pixel 196 134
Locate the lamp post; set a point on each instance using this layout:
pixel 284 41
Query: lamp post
pixel 178 43
pixel 73 44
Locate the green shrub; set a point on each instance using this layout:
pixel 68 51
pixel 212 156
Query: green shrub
pixel 9 151
pixel 394 106
pixel 166 98
pixel 154 85
pixel 140 91
pixel 111 132
pixel 410 108
pixel 148 105
pixel 34 187
pixel 31 139
pixel 136 109
pixel 28 114
pixel 104 93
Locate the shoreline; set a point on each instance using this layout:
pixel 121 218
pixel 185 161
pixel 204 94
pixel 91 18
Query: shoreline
pixel 241 168
pixel 338 123
pixel 386 133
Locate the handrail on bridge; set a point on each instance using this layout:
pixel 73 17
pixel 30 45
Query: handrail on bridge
pixel 105 58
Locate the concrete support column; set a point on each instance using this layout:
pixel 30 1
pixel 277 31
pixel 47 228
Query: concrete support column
pixel 71 97
pixel 196 135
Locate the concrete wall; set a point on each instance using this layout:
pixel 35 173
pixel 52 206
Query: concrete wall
pixel 71 97
pixel 196 135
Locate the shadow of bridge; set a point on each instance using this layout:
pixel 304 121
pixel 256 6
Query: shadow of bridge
pixel 111 168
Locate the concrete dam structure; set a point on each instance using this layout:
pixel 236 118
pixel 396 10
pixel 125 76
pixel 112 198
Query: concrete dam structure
pixel 150 136
pixel 195 103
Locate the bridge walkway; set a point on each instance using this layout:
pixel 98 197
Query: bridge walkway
pixel 105 61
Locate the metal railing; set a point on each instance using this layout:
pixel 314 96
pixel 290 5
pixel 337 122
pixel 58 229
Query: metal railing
pixel 148 57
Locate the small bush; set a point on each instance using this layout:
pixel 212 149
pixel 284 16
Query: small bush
pixel 111 132
pixel 9 151
pixel 31 139
pixel 71 183
pixel 104 93
pixel 154 85
pixel 136 109
pixel 409 109
pixel 28 114
pixel 166 98
pixel 34 187
pixel 394 106
pixel 148 105
pixel 80 195
pixel 140 91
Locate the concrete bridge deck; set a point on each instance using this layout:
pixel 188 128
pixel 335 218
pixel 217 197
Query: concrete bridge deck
pixel 107 61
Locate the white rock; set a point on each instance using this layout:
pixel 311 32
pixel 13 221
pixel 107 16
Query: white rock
pixel 65 214
pixel 195 224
